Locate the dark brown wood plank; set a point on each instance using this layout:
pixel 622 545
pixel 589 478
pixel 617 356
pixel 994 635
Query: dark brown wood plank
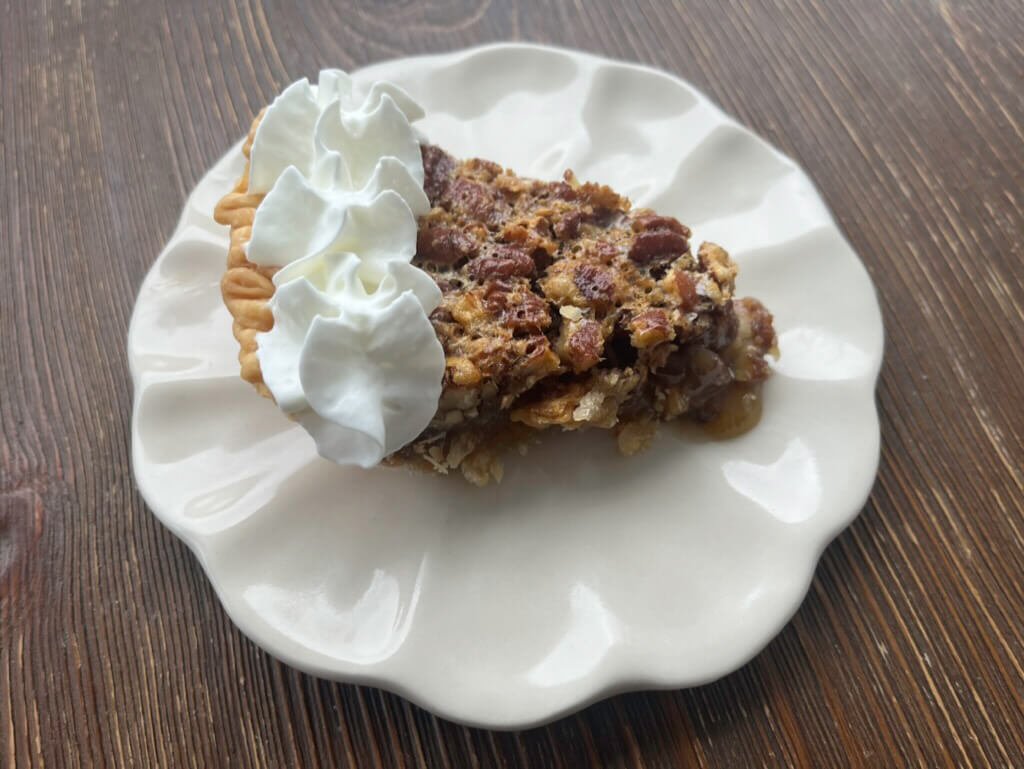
pixel 909 649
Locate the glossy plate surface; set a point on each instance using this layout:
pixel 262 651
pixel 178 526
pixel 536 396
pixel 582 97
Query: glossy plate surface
pixel 583 573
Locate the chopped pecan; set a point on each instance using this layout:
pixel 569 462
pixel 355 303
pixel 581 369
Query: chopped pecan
pixel 518 307
pixel 754 338
pixel 438 167
pixel 561 191
pixel 471 197
pixel 604 250
pixel 647 220
pixel 530 312
pixel 635 435
pixel 496 294
pixel 596 285
pixel 516 232
pixel 462 371
pixel 485 170
pixel 603 216
pixel 532 237
pixel 601 196
pixel 447 285
pixel 501 262
pixel 467 310
pixel 442 314
pixel 715 260
pixel 537 357
pixel 585 345
pixel 551 406
pixel 657 246
pixel 444 245
pixel 650 328
pixel 568 226
pixel 687 290
pixel 761 330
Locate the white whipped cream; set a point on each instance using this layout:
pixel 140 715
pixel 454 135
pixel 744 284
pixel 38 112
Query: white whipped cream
pixel 352 354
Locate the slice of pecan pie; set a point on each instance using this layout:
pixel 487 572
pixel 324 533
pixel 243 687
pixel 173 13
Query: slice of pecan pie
pixel 562 306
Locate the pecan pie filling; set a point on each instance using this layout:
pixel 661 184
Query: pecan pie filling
pixel 562 306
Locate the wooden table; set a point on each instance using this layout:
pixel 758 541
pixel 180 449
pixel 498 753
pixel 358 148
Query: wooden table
pixel 908 648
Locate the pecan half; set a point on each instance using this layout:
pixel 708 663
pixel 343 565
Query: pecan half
pixel 518 307
pixel 530 312
pixel 502 262
pixel 657 246
pixel 648 220
pixel 444 245
pixel 471 197
pixel 596 285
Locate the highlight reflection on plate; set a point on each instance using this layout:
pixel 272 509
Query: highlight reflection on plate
pixel 817 353
pixel 788 488
pixel 583 572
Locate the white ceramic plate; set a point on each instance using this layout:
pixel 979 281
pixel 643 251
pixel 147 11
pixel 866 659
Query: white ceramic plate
pixel 583 573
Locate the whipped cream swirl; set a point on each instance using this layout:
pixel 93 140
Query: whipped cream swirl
pixel 352 354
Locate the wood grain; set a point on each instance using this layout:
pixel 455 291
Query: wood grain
pixel 909 650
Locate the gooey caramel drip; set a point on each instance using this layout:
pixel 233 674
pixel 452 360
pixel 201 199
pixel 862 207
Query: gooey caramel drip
pixel 741 411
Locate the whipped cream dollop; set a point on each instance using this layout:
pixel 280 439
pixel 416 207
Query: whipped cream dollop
pixel 352 355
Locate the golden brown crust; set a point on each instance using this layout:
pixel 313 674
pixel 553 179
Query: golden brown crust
pixel 245 287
